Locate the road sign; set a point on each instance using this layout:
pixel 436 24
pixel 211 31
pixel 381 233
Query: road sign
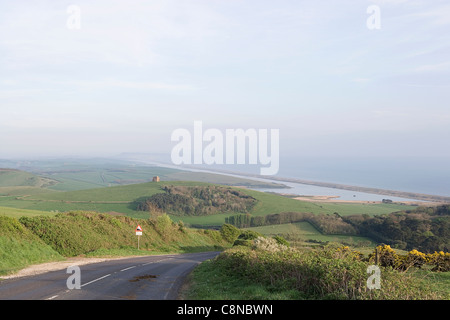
pixel 139 230
pixel 138 233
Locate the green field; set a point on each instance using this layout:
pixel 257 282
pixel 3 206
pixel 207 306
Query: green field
pixel 14 212
pixel 305 234
pixel 110 188
pixel 87 174
pixel 12 178
pixel 117 199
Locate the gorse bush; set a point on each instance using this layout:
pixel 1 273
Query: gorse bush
pixel 388 257
pixel 229 232
pixel 329 273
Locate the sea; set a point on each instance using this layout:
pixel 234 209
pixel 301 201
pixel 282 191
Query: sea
pixel 420 175
pixel 424 175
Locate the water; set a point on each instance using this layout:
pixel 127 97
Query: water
pixel 419 175
pixel 308 190
pixel 426 175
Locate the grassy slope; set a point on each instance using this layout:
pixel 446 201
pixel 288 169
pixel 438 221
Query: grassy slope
pixel 11 178
pixel 20 247
pixel 36 239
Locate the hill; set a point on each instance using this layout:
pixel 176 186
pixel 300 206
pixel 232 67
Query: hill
pixel 18 178
pixel 196 201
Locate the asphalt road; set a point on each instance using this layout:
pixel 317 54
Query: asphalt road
pixel 141 278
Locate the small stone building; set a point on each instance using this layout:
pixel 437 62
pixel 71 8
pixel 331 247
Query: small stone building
pixel 155 179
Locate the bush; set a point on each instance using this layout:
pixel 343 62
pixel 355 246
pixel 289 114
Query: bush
pixel 329 273
pixel 163 224
pixel 229 232
pixel 268 244
pixel 281 240
pixel 249 235
pixel 243 242
pixel 387 257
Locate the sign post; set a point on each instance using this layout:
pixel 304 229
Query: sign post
pixel 139 233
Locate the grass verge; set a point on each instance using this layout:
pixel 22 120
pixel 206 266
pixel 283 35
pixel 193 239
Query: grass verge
pixel 319 274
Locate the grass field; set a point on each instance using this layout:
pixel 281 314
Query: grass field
pixel 117 199
pixel 14 212
pixel 28 200
pixel 72 176
pixel 305 234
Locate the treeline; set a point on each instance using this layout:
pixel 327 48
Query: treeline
pixel 325 223
pixel 196 201
pixel 424 229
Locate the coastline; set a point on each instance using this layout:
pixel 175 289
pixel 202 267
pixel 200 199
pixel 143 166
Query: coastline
pixel 437 199
pixel 333 199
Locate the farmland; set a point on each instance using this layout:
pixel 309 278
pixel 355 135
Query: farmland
pixel 42 213
pixel 118 199
pixel 113 187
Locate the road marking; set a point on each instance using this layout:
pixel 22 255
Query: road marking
pixel 156 261
pixel 95 280
pixel 128 268
pixel 53 297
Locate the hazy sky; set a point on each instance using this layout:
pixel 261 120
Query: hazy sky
pixel 137 70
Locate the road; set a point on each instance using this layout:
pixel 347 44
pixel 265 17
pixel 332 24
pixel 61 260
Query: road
pixel 137 278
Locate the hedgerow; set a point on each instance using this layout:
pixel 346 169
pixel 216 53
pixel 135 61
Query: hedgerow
pixel 329 273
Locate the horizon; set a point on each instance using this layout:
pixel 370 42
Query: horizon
pixel 425 175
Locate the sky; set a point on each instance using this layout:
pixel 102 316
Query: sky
pixel 99 78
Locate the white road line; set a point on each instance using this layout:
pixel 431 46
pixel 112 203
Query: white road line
pixel 156 261
pixel 105 276
pixel 95 280
pixel 128 268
